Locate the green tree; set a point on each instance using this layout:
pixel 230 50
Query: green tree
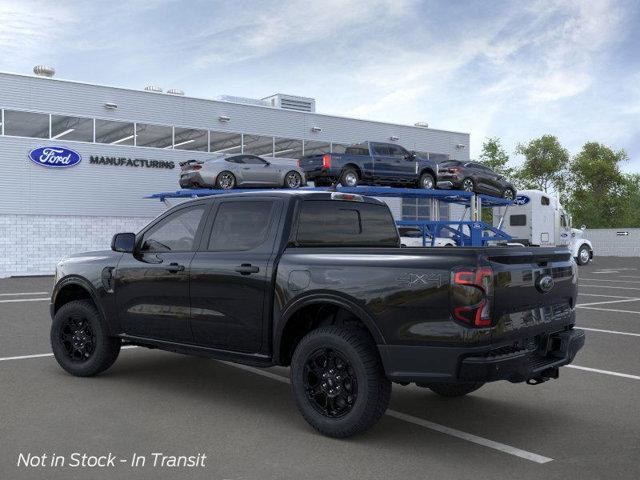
pixel 495 157
pixel 600 193
pixel 545 164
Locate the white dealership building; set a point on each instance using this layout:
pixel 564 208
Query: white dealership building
pixel 128 143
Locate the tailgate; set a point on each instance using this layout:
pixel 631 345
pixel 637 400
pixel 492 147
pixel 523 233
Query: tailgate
pixel 314 163
pixel 535 292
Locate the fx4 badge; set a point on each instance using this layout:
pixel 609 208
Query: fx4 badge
pixel 421 280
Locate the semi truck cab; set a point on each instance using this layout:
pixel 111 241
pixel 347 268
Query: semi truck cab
pixel 538 219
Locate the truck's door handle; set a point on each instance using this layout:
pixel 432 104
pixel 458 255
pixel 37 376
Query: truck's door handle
pixel 247 269
pixel 175 268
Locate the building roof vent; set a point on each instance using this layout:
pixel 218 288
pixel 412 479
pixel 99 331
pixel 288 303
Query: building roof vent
pixel 175 91
pixel 422 124
pixel 292 102
pixel 44 71
pixel 243 100
pixel 153 88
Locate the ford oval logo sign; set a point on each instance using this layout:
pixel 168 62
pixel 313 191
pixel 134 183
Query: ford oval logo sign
pixel 521 200
pixel 55 157
pixel 545 283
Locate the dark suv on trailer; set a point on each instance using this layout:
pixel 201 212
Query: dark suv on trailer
pixel 474 177
pixel 318 281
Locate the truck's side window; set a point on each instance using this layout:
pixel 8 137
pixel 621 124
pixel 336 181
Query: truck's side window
pixel 397 151
pixel 544 200
pixel 176 232
pixel 240 225
pixel 517 220
pixel 337 223
pixel 380 149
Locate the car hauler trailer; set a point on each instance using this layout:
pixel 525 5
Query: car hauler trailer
pixel 538 219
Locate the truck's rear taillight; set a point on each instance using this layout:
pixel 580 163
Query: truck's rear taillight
pixel 326 161
pixel 299 162
pixel 196 167
pixel 472 296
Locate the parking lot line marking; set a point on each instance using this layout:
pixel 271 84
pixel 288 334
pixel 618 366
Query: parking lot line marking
pixel 15 300
pixel 607 309
pixel 533 457
pixel 609 286
pixel 606 372
pixel 609 280
pixel 610 331
pixel 485 442
pixel 40 355
pixel 609 301
pixel 23 293
pixel 601 295
pixel 24 357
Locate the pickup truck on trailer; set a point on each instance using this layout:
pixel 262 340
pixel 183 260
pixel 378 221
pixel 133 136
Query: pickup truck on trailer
pixel 371 163
pixel 319 281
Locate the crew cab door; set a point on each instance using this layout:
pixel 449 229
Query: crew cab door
pixel 152 284
pixel 382 161
pixel 231 274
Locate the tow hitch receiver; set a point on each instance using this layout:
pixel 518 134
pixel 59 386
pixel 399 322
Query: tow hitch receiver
pixel 547 374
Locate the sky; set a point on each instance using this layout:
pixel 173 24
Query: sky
pixel 514 70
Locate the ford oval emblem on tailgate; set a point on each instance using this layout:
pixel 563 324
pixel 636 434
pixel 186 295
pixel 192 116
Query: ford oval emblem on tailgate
pixel 56 157
pixel 545 283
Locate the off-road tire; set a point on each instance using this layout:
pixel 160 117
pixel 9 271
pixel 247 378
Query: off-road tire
pixel 106 348
pixel 373 389
pixel 454 389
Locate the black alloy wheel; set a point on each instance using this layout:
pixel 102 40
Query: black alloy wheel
pixel 330 383
pixel 80 340
pixel 338 380
pixel 77 338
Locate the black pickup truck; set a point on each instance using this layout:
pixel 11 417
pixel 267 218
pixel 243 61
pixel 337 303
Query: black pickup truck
pixel 371 163
pixel 319 281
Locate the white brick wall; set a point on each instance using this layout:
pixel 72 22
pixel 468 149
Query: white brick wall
pixel 612 242
pixel 33 244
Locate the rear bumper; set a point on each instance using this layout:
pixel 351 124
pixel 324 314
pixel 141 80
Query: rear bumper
pixel 424 364
pixel 319 172
pixel 192 179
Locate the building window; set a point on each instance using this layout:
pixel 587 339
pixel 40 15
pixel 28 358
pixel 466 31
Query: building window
pixel 191 139
pixel 225 142
pixel 114 133
pixel 258 145
pixel 316 148
pixel 26 124
pixel 420 209
pixel 72 128
pixel 157 136
pixel 287 148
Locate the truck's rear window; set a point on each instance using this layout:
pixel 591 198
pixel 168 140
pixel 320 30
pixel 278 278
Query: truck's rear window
pixel 349 224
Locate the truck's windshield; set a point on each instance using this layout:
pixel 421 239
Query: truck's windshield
pixel 351 224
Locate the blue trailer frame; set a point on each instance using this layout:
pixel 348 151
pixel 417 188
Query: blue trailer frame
pixel 478 233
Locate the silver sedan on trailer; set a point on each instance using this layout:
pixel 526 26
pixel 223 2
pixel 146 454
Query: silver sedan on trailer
pixel 230 171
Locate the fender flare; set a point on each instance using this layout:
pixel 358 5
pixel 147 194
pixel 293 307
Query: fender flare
pixel 312 298
pixel 85 284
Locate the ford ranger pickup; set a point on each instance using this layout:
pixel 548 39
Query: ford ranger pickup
pixel 319 281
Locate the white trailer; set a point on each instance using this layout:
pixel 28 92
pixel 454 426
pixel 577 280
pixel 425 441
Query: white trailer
pixel 538 219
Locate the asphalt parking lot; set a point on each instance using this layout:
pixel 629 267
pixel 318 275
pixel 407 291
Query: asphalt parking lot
pixel 584 425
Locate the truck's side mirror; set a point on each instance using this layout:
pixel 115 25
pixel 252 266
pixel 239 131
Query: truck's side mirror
pixel 123 242
pixel 583 227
